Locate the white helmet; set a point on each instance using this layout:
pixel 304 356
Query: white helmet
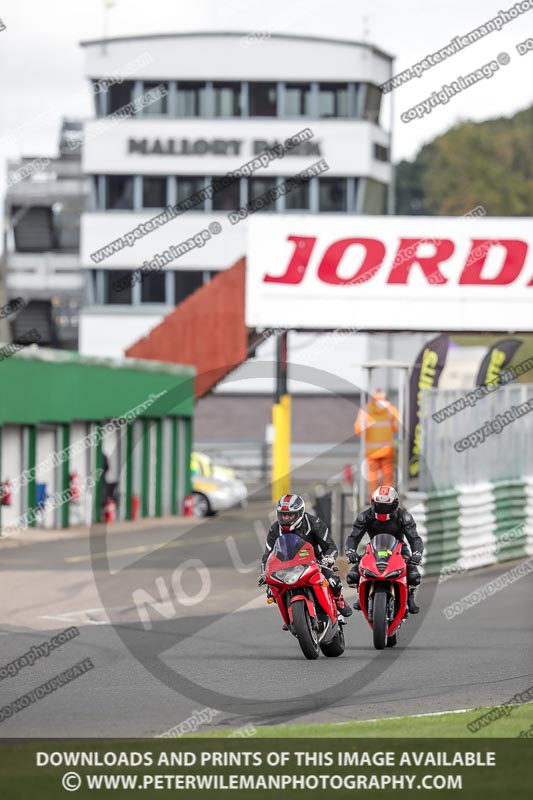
pixel 385 502
pixel 290 512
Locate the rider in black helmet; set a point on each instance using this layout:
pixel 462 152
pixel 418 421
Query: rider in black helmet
pixel 386 516
pixel 292 518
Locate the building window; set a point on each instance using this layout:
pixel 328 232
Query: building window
pixel 158 106
pixel 153 287
pixel 297 198
pixel 372 104
pixel 332 194
pixel 187 186
pixel 119 95
pixel 258 187
pixel 113 294
pixel 381 153
pixel 297 99
pixel 262 99
pixel 34 230
pixel 191 99
pixel 227 99
pixel 67 228
pixel 187 282
pixel 154 192
pixel 228 198
pixel 119 192
pixel 333 100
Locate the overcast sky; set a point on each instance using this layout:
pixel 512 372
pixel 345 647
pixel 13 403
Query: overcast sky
pixel 42 68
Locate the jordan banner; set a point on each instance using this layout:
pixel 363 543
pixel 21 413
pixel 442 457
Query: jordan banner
pixel 425 375
pixel 497 358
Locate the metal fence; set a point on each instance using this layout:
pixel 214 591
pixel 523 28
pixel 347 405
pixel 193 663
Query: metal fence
pixel 491 439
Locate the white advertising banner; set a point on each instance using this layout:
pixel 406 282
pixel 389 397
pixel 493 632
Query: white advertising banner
pixel 390 273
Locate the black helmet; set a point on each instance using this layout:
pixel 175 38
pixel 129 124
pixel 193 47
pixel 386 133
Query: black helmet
pixel 290 512
pixel 385 502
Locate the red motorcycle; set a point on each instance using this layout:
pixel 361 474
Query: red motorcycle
pixel 383 588
pixel 303 594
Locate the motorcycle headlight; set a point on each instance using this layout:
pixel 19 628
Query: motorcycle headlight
pixel 369 574
pixel 291 574
pixel 394 574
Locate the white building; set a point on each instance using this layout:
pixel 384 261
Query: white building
pixel 43 204
pixel 221 105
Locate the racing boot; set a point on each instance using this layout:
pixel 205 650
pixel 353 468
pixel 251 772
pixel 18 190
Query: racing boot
pixel 342 606
pixel 411 602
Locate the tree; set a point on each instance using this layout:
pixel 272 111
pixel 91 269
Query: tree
pixel 487 164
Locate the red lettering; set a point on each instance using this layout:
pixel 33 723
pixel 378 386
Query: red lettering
pixel 406 257
pixel 511 268
pixel 328 269
pixel 402 266
pixel 298 263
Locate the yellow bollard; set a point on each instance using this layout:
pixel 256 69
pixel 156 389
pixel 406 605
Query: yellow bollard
pixel 281 459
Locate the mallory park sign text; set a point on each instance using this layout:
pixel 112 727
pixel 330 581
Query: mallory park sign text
pixel 215 147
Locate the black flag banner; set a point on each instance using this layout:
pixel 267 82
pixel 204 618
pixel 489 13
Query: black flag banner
pixel 425 375
pixel 496 359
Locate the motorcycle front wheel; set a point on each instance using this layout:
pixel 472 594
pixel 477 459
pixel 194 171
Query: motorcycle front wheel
pixel 380 622
pixel 303 628
pixel 336 646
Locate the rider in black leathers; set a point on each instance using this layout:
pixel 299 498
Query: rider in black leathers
pixel 400 524
pixel 291 510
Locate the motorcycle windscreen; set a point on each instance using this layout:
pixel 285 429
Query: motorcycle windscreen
pixel 383 544
pixel 287 546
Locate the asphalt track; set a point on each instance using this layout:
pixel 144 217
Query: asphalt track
pixel 228 651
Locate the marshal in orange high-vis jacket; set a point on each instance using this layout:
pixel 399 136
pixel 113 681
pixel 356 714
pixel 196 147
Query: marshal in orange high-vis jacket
pixel 380 420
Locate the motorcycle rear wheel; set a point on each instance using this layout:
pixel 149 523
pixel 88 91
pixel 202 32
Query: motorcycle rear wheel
pixel 380 623
pixel 303 628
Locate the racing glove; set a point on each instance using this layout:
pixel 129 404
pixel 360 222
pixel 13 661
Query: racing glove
pixel 262 579
pixel 352 556
pixel 327 561
pixel 416 557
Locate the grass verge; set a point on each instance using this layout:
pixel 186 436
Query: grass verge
pixel 442 726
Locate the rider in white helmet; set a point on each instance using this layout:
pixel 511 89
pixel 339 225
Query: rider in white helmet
pixel 385 515
pixel 293 518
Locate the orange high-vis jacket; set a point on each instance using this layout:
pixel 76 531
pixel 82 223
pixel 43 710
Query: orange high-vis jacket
pixel 380 420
